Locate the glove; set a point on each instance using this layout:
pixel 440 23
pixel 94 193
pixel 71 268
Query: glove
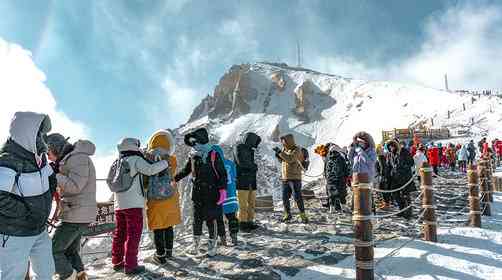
pixel 277 150
pixel 223 196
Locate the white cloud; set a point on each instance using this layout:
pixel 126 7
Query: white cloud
pixel 181 100
pixel 465 42
pixel 22 88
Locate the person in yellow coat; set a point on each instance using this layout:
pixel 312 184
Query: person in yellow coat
pixel 163 215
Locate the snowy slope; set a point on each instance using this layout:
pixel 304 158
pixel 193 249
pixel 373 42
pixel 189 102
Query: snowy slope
pixel 338 107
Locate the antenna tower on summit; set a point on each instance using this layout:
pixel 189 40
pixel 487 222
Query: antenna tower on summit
pixel 299 53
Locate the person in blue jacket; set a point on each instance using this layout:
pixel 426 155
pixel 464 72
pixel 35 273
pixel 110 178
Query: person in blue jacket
pixel 231 204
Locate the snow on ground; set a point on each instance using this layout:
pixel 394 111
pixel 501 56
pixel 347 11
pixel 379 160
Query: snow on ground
pixel 462 253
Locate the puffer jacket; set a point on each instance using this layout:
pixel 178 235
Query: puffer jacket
pixel 462 154
pixel 291 157
pixel 433 156
pixel 364 160
pixel 245 161
pixel 162 214
pixel 498 147
pixel 207 179
pixel 26 183
pixel 399 169
pixel 77 179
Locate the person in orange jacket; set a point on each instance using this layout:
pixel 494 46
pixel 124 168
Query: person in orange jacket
pixel 433 157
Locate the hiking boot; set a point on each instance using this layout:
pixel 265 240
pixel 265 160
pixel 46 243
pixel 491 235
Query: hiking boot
pixel 253 226
pixel 212 246
pixel 286 218
pixel 82 276
pixel 135 271
pixel 223 240
pixel 159 260
pixel 118 267
pixel 196 245
pixel 244 226
pixel 234 238
pixel 169 254
pixel 304 218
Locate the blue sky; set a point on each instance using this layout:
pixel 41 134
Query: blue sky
pixel 127 68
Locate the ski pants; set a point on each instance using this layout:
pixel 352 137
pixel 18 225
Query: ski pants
pixel 164 241
pixel 66 248
pixel 290 187
pixel 126 237
pixel 233 224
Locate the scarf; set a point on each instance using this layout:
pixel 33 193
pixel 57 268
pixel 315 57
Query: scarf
pixel 201 150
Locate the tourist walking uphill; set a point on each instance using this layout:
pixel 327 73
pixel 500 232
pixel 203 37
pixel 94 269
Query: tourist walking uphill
pixel 209 181
pixel 163 213
pixel 244 157
pixel 291 157
pixel 129 203
pixel 26 186
pixel 76 181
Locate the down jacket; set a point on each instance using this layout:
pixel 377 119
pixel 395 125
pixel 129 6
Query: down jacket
pixel 399 169
pixel 166 213
pixel 77 178
pixel 26 183
pixel 245 162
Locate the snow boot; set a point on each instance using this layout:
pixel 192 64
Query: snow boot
pixel 286 218
pixel 196 246
pixel 118 267
pixel 304 218
pixel 244 226
pixel 136 271
pixel 73 276
pixel 212 246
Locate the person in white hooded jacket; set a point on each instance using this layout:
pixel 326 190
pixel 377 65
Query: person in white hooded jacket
pixel 26 186
pixel 419 158
pixel 129 208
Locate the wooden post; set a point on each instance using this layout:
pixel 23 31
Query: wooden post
pixel 473 183
pixel 484 188
pixel 363 228
pixel 489 177
pixel 430 225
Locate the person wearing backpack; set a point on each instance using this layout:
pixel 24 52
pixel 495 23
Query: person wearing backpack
pixel 336 172
pixel 163 213
pixel 27 183
pixel 244 157
pixel 76 180
pixel 231 204
pixel 209 182
pixel 291 157
pixel 125 181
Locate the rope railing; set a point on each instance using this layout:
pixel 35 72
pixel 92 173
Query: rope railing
pixel 400 211
pixel 398 189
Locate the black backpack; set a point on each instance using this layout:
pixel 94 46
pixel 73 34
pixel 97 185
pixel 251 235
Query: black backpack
pixel 305 163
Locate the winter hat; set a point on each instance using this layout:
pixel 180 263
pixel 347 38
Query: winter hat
pixel 56 143
pixel 199 136
pixel 129 145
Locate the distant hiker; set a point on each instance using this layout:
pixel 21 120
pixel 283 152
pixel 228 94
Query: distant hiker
pixel 336 171
pixel 471 149
pixel 398 173
pixel 451 156
pixel 498 149
pixel 419 159
pixel 26 185
pixel 163 213
pixel 209 182
pixel 231 204
pixel 129 204
pixel 440 150
pixel 76 180
pixel 244 153
pixel 481 145
pixel 462 158
pixel 433 156
pixel 291 157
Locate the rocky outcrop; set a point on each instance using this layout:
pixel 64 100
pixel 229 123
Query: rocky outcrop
pixel 278 80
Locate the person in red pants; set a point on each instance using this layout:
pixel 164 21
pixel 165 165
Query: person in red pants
pixel 129 206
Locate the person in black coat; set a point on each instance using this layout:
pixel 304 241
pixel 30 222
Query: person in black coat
pixel 209 182
pixel 398 172
pixel 336 171
pixel 246 179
